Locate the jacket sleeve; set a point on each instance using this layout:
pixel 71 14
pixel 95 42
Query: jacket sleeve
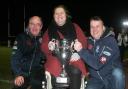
pixel 108 53
pixel 81 36
pixel 16 57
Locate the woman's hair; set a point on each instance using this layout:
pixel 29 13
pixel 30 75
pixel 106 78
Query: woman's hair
pixel 65 9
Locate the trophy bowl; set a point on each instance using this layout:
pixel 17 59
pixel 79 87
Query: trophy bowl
pixel 63 51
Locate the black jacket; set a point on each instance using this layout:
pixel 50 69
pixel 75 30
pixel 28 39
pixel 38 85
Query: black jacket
pixel 26 54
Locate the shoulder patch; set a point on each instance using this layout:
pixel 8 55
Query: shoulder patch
pixel 106 53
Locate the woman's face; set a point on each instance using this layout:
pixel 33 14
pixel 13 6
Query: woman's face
pixel 60 16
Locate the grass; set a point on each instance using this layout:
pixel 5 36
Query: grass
pixel 5 69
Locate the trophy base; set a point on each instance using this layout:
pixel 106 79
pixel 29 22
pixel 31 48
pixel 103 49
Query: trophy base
pixel 61 85
pixel 62 82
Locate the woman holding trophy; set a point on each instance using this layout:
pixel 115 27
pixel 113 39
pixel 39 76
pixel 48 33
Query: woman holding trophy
pixel 57 41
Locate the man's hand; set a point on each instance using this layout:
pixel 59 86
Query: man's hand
pixel 77 45
pixel 19 80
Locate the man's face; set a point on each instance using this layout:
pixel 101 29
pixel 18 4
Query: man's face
pixel 60 16
pixel 35 25
pixel 96 28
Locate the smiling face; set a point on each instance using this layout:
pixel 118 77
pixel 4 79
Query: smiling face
pixel 96 28
pixel 35 25
pixel 60 16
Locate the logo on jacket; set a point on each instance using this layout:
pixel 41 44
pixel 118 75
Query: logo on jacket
pixel 106 53
pixel 103 60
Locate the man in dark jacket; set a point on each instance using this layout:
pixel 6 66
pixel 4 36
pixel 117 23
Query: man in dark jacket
pixel 102 57
pixel 27 57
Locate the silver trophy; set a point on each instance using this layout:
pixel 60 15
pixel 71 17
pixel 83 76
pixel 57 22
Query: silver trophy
pixel 63 52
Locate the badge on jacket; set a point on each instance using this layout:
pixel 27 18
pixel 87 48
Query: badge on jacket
pixel 103 60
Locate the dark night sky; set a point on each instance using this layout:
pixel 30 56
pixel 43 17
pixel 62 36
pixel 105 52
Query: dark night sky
pixel 111 12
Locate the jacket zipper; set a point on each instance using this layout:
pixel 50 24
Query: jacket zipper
pixel 95 55
pixel 33 57
pixel 99 75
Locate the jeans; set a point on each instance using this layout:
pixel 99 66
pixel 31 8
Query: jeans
pixel 119 78
pixel 114 81
pixel 94 83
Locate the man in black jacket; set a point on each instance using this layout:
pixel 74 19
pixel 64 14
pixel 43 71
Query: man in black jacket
pixel 27 57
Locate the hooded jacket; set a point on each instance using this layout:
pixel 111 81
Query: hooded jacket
pixel 102 55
